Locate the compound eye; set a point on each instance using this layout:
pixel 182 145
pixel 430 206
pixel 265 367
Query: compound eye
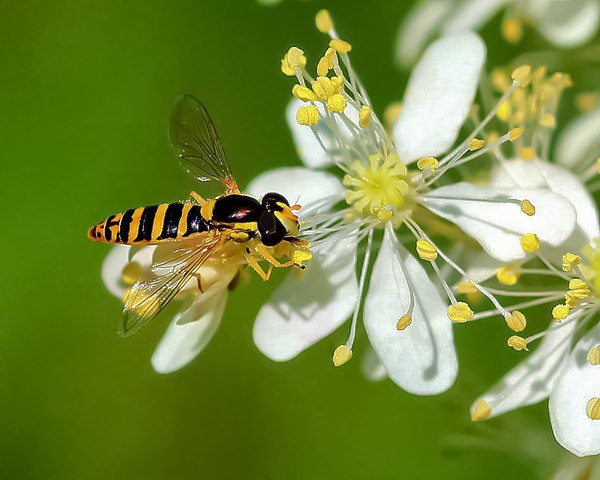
pixel 271 230
pixel 271 199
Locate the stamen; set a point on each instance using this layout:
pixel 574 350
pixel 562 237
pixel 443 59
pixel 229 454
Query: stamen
pixel 522 75
pixel 593 356
pixel 481 411
pixel 323 21
pixel 569 261
pixel 428 164
pixel 364 116
pixel 460 312
pixel 404 321
pixel 527 208
pixel 560 312
pixel 530 243
pixel 518 343
pixel 308 115
pixel 592 409
pixel 341 355
pixel 476 144
pixel 340 46
pixel 426 250
pixel 516 321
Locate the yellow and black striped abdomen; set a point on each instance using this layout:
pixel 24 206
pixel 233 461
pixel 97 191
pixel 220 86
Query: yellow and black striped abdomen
pixel 151 225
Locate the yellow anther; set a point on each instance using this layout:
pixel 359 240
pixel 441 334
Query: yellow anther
pixel 548 121
pixel 322 67
pixel 593 355
pixel 570 260
pixel 323 21
pixel 592 409
pixel 391 113
pixel 460 312
pixel 426 250
pixel 429 164
pixel 503 112
pixel 530 243
pixel 325 87
pixel 303 93
pixel 476 144
pixel 500 79
pixel 586 102
pixel 528 208
pixel 300 256
pixel 522 75
pixel 338 83
pixel 404 321
pixel 466 287
pixel 336 103
pixel 518 343
pixel 560 312
pixel 571 300
pixel 512 30
pixel 516 321
pixel 507 276
pixel 527 153
pixel 481 410
pixel 364 116
pixel 492 137
pixel 579 289
pixel 515 133
pixel 308 115
pixel 340 46
pixel 341 355
pixel 295 57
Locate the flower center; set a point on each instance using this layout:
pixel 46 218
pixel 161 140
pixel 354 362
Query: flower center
pixel 378 189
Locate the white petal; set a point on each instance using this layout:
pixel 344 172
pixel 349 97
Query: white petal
pixel 420 359
pixel 570 23
pixel 189 332
pixel 472 15
pixel 372 367
pixel 112 270
pixel 531 381
pixel 577 384
pixel 538 174
pixel 439 96
pixel 309 149
pixel 578 141
pixel 315 191
pixel 499 226
pixel 417 29
pixel 307 307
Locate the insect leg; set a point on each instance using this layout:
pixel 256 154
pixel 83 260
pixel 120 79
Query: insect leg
pixel 257 268
pixel 261 249
pixel 198 198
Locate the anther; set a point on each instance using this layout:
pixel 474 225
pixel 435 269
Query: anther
pixel 303 93
pixel 426 250
pixel 428 164
pixel 527 153
pixel 323 21
pixel 460 312
pixel 593 356
pixel 364 116
pixel 521 75
pixel 466 287
pixel 503 112
pixel 516 321
pixel 295 57
pixel 341 355
pixel 476 144
pixel 403 322
pixel 547 121
pixel 481 410
pixel 336 103
pixel 511 30
pixel 527 208
pixel 592 409
pixel 579 289
pixel 560 312
pixel 569 261
pixel 507 276
pixel 530 243
pixel 308 115
pixel 515 133
pixel 518 343
pixel 340 46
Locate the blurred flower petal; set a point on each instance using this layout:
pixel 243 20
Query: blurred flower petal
pixel 578 140
pixel 472 14
pixel 567 24
pixel 112 270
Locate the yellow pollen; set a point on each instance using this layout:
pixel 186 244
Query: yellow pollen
pixel 481 410
pixel 528 208
pixel 516 321
pixel 518 343
pixel 303 93
pixel 515 133
pixel 527 153
pixel 503 112
pixel 340 46
pixel 560 312
pixel 336 103
pixel 506 275
pixel 322 67
pixel 460 312
pixel 476 144
pixel 466 287
pixel 308 115
pixel 428 164
pixel 287 67
pixel 530 243
pixel 570 260
pixel 512 30
pixel 323 21
pixel 404 321
pixel 364 116
pixel 341 355
pixel 426 250
pixel 548 121
pixel 579 289
pixel 571 300
pixel 593 355
pixel 294 57
pixel 522 75
pixel 592 409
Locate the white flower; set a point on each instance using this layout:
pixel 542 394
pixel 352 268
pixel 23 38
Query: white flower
pixel 565 24
pixel 202 303
pixel 405 317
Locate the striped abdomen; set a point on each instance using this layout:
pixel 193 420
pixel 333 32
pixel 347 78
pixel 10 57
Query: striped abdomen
pixel 153 224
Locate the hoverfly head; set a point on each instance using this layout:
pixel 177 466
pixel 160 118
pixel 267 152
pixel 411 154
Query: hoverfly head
pixel 277 220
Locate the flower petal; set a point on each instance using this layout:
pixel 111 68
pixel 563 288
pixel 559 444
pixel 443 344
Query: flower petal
pixel 418 28
pixel 497 225
pixel 567 24
pixel 538 174
pixel 420 359
pixel 112 270
pixel 308 306
pixel 472 15
pixel 531 381
pixel 309 149
pixel 315 191
pixel 578 141
pixel 189 332
pixel 372 367
pixel 577 384
pixel 439 96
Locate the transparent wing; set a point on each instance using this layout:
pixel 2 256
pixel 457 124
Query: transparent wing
pixel 197 145
pixel 146 299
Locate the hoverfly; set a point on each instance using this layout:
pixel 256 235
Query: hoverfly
pixel 203 228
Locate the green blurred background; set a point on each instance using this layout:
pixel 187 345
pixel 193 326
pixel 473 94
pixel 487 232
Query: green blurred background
pixel 86 89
